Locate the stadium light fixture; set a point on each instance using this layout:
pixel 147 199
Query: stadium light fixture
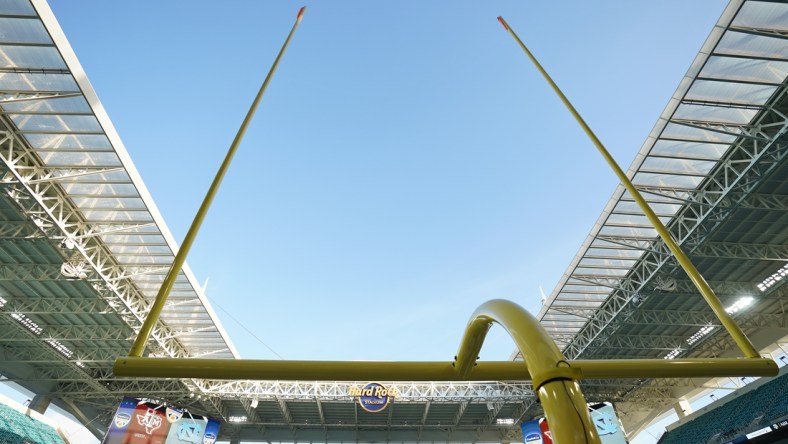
pixel 741 304
pixel 703 332
pixel 27 323
pixel 62 349
pixel 237 419
pixel 673 353
pixel 777 276
pixel 68 244
pixel 73 270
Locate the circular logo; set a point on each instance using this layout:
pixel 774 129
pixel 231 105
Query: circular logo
pixel 122 419
pixel 375 397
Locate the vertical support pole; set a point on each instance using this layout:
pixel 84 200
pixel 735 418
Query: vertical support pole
pixel 161 297
pixel 705 290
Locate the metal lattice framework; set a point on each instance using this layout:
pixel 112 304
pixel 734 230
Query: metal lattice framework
pixel 83 251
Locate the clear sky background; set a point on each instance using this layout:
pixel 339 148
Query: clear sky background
pixel 407 164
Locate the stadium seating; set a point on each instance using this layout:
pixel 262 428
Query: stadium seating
pixel 750 411
pixel 17 428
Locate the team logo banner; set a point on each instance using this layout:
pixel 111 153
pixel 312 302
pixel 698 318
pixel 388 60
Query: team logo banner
pixel 138 422
pixel 531 432
pixel 173 414
pixel 151 421
pixel 122 419
pixel 603 416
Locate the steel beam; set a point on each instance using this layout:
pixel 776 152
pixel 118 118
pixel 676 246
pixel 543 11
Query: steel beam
pixel 732 250
pixel 43 201
pixel 702 319
pixel 408 392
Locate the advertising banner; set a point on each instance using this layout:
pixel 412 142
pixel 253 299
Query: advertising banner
pixel 373 397
pixel 607 424
pixel 140 422
pixel 603 416
pixel 531 432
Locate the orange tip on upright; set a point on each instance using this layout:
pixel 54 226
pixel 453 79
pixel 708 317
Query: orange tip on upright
pixel 300 13
pixel 503 22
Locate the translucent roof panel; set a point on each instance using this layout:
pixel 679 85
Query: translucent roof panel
pixel 79 158
pixel 27 57
pixel 745 70
pixel 722 92
pixel 667 181
pixel 713 114
pixel 664 210
pixel 128 203
pixel 133 239
pixel 692 132
pixel 68 141
pixel 763 15
pixel 741 66
pixel 140 249
pixel 750 45
pixel 23 30
pixel 607 263
pixel 60 123
pixel 613 253
pixel 17 7
pixel 677 165
pixel 64 129
pixel 101 177
pixel 688 150
pixel 117 216
pixel 99 189
pixel 35 82
pixel 630 220
pixel 67 104
pixel 628 232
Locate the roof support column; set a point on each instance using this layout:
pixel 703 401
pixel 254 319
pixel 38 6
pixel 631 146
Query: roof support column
pixel 40 403
pixel 682 408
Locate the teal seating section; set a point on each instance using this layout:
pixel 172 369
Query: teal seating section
pixel 751 411
pixel 18 428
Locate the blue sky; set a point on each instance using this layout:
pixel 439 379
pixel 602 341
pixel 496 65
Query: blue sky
pixel 406 165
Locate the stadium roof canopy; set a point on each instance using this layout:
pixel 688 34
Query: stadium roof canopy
pixel 713 169
pixel 725 100
pixel 66 156
pixel 83 250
